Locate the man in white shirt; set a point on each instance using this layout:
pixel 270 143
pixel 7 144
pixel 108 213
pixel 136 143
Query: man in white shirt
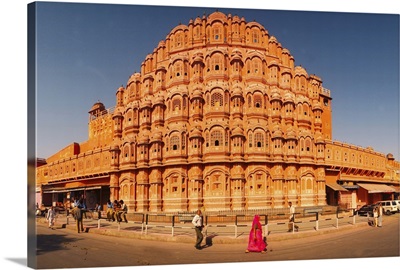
pixel 198 226
pixel 291 218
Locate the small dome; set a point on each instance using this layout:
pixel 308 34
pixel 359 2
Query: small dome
pixel 277 132
pixel 144 139
pixel 275 95
pixel 159 100
pixel 198 57
pixel 237 91
pixel 196 133
pixel 217 16
pixel 288 97
pixel 197 93
pixel 157 137
pixel 237 131
pixel 316 105
pixel 291 134
pixel 146 103
pixel 98 106
pixel 299 70
pixel 273 39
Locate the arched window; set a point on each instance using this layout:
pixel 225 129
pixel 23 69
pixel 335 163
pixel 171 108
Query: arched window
pixel 176 104
pixel 178 69
pixel 250 140
pixel 258 101
pixel 308 145
pixel 259 139
pixel 178 40
pixel 217 100
pixel 255 36
pixel 216 137
pixel 305 109
pixel 174 143
pixel 217 33
pixel 217 63
pixel 126 151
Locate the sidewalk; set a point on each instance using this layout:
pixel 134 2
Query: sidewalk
pixel 184 232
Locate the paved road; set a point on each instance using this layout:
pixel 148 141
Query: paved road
pixel 65 248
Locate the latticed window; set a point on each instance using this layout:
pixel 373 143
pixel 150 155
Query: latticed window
pixel 256 66
pixel 216 137
pixel 217 33
pixel 259 139
pixel 308 145
pixel 176 104
pixel 183 141
pixel 217 100
pixel 178 69
pixel 257 101
pixel 255 37
pixel 178 41
pixel 174 142
pixel 126 151
pixel 216 62
pixel 250 140
pixel 184 102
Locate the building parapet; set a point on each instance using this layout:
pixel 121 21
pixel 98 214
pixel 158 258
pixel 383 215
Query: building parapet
pixel 102 113
pixel 326 92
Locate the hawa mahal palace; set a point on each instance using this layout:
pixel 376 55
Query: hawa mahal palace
pixel 219 118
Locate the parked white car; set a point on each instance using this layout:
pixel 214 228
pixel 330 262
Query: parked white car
pixel 398 205
pixel 389 207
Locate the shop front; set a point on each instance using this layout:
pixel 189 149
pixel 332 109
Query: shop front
pixel 64 198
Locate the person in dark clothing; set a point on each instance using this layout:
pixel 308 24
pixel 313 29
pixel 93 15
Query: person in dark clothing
pixel 78 214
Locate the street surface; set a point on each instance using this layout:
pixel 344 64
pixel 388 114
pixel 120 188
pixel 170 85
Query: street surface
pixel 65 248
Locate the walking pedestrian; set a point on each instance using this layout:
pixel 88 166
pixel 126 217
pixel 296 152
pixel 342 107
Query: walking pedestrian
pixel 291 225
pixel 198 226
pixel 375 214
pixel 256 241
pixel 51 216
pixel 380 215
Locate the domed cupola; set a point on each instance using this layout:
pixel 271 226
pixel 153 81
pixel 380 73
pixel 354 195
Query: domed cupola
pixel 97 109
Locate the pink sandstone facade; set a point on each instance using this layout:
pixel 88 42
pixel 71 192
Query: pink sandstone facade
pixel 218 118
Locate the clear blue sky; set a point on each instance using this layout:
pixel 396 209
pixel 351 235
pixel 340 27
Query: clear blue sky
pixel 86 51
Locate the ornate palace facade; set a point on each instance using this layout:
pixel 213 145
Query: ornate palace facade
pixel 220 118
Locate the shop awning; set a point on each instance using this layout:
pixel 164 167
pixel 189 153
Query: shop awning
pixel 62 190
pixel 350 187
pixel 377 188
pixel 335 187
pixel 54 190
pixel 396 189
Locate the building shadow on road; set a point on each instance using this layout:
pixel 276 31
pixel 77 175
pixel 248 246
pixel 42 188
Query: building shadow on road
pixel 49 242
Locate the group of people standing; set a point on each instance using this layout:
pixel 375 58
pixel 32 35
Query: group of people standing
pixel 257 242
pixel 117 210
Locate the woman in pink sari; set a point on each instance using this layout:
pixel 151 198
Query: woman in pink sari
pixel 256 241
